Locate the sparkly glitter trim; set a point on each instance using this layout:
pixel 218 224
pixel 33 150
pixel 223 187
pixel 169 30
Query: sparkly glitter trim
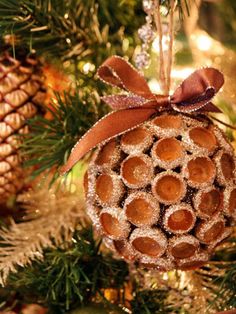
pixel 93 212
pixel 118 189
pixel 117 213
pixel 175 175
pixel 167 164
pixel 153 233
pixel 153 203
pixel 227 194
pixel 194 184
pixel 220 176
pixel 197 200
pixel 201 257
pixel 160 264
pixel 148 178
pixel 114 160
pixel 192 146
pixel 180 239
pixel 91 194
pixel 227 232
pixel 169 211
pixel 203 227
pixel 166 132
pixel 140 147
pixel 222 140
pixel 193 122
pixel 128 247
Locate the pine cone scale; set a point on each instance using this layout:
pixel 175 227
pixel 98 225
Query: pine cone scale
pixel 21 92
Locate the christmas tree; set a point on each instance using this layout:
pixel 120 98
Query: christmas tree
pixel 144 219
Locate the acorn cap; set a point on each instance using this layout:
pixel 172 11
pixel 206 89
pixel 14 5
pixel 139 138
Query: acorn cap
pixel 109 188
pixel 108 155
pixel 194 121
pixel 226 167
pixel 142 209
pixel 167 125
pixel 114 223
pixel 183 246
pixel 221 139
pixel 208 202
pixel 209 231
pixel 227 232
pixel 93 213
pixel 230 201
pixel 168 153
pixel 168 187
pixel 137 171
pixel 136 140
pixel 124 249
pixel 196 261
pixel 200 171
pixel 149 241
pixel 160 263
pixel 201 139
pixel 179 219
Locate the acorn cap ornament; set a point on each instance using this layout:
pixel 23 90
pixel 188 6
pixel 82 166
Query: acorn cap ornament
pixel 161 187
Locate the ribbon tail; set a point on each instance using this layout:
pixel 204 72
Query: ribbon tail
pixel 210 107
pixel 112 125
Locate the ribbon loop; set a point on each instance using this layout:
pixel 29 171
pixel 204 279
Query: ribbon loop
pixel 139 104
pixel 116 71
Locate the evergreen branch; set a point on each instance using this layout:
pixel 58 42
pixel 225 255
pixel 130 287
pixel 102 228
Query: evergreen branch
pixel 219 276
pixel 69 29
pixel 51 218
pixel 152 302
pixel 68 278
pixel 50 141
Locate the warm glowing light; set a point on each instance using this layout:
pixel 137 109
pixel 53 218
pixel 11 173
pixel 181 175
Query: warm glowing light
pixel 87 67
pixel 154 86
pixel 181 73
pixel 204 42
pixel 125 44
pixel 163 10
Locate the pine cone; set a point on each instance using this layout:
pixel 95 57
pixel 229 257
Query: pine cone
pixel 164 193
pixel 21 94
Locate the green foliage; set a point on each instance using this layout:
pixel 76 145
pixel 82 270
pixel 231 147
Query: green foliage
pixel 69 277
pixel 71 29
pixel 223 276
pixel 50 141
pixel 225 295
pixel 152 302
pixel 219 277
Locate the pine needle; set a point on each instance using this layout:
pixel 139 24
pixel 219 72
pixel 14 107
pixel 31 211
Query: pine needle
pixel 51 218
pixel 50 141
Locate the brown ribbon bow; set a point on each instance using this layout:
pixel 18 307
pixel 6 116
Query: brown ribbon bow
pixel 139 104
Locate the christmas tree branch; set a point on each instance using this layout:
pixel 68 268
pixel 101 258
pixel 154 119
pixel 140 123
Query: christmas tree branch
pixel 68 278
pixel 51 217
pixel 219 276
pixel 51 140
pixel 69 29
